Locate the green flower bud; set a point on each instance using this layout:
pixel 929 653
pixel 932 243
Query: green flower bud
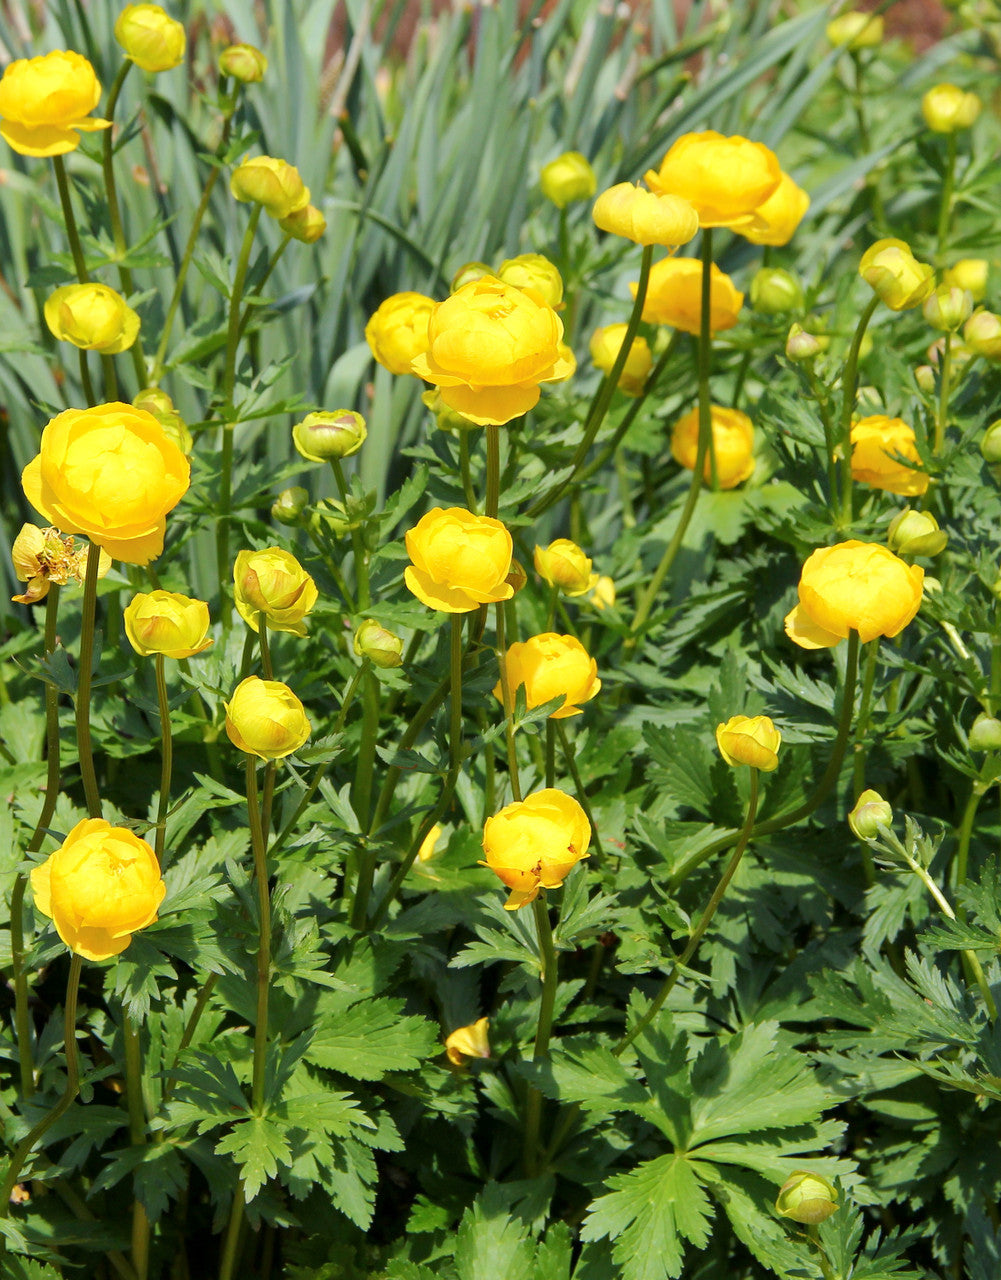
pixel 990 443
pixel 447 419
pixel 801 345
pixel 870 813
pixel 160 405
pixel 982 334
pixel 243 62
pixel 774 291
pixel 290 504
pixel 467 273
pixel 916 533
pixel 322 436
pixel 381 647
pixel 985 733
pixel 948 307
pixel 924 376
pixel 807 1198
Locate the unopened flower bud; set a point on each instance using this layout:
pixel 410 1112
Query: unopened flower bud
pixel 801 345
pixel 468 273
pixel 305 225
pixel 270 182
pixel 982 334
pixel 751 740
pixel 895 275
pixel 855 31
pixel 290 504
pixel 807 1197
pixel 602 594
pixel 990 444
pixel 870 813
pixel 567 178
pixel 152 39
pixel 774 291
pixel 381 647
pixel 565 566
pixel 160 405
pixel 924 376
pixel 969 273
pixel 948 307
pixel 947 109
pixel 916 533
pixel 446 419
pixel 533 271
pixel 244 63
pixel 322 436
pixel 985 733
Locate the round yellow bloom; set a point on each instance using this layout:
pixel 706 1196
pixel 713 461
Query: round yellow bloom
pixel 167 623
pixel 243 62
pixel 969 274
pixel 100 886
pixel 605 345
pixel 305 225
pixel 550 666
pixel 947 109
pixel 398 331
pixel 43 556
pixel 564 565
pixel 337 434
pixel 726 180
pixel 264 718
pixel 854 586
pixel 875 442
pixel 45 101
pixel 855 31
pixel 149 37
pixel 645 216
pixel 272 183
pixel 777 219
pixel 272 582
pixel 93 317
pixel 752 740
pixel 733 444
pixel 468 1042
pixel 982 334
pixel 535 843
pixel 602 594
pixel 890 268
pixel 489 347
pixel 674 296
pixel 459 560
pixel 109 472
pixel 567 178
pixel 806 1197
pixel 533 271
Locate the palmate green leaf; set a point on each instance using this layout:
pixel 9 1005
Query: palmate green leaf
pixel 158 1171
pixel 16 1268
pixel 489 1245
pixel 580 1071
pixel 744 1198
pixel 368 1039
pixel 684 765
pixel 649 1212
pixel 258 1145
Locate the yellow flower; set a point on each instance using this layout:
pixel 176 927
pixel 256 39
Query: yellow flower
pixel 567 178
pixel 674 296
pixel 733 444
pixel 305 225
pixel 533 271
pixel 550 666
pixel 490 345
pixel 272 183
pixel 564 565
pixel 111 473
pixel 947 109
pixel 645 216
pixel 895 274
pixel 44 556
pixel 752 740
pixel 780 215
pixel 726 180
pixel 468 1042
pixel 870 813
pixel 381 647
pixel 947 307
pixel 605 345
pixel 806 1197
pixel 426 852
pixel 535 843
pixel 854 586
pixel 602 594
pixel 875 442
pixel 243 62
pixel 149 37
pixel 45 101
pixel 916 533
pixel 459 560
pixel 272 582
pixel 100 886
pixel 264 718
pixel 775 291
pixel 167 623
pixel 93 317
pixel 398 331
pixel 337 434
pixel 982 334
pixel 160 405
pixel 970 274
pixel 855 31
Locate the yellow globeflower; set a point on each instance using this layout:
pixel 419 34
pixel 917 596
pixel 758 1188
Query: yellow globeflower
pixel 564 565
pixel 264 718
pixel 890 268
pixel 752 740
pixel 272 183
pixel 93 317
pixel 726 180
pixel 305 225
pixel 605 346
pixel 806 1197
pixel 876 441
pixel 567 178
pixel 780 215
pixel 969 274
pixel 535 843
pixel 109 472
pixel 855 31
pixel 274 584
pixel 982 334
pixel 44 556
pixel 149 37
pixel 490 345
pixel 947 109
pixel 398 331
pixel 100 886
pixel 645 216
pixel 45 101
pixel 854 586
pixel 164 622
pixel 533 271
pixel 733 444
pixel 674 296
pixel 550 666
pixel 459 560
pixel 243 62
pixel 468 1042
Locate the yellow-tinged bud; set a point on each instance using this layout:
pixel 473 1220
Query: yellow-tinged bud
pixel 426 852
pixel 565 566
pixel 924 376
pixel 916 533
pixel 468 273
pixel 535 843
pixel 272 582
pixel 468 1042
pixel 446 419
pixel 305 225
pixel 335 434
pixel 290 504
pixel 533 271
pixel 149 37
pixel 895 274
pixel 801 346
pixel 948 307
pixel 990 444
pixel 969 273
pixel 264 718
pixel 985 733
pixel 947 109
pixel 567 178
pixel 644 216
pixel 774 291
pixel 244 63
pixel 982 334
pixel 602 594
pixel 381 647
pixel 870 813
pixel 807 1197
pixel 160 405
pixel 93 317
pixel 855 31
pixel 751 740
pixel 270 182
pixel 605 345
pixel 164 622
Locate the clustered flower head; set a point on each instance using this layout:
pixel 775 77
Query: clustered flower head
pixel 534 844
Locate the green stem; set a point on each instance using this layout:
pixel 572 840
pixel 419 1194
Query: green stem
pixel 830 440
pixel 249 310
pixel 167 741
pixel 420 719
pixel 571 758
pixel 68 217
pixel 357 541
pixel 849 383
pixel 89 613
pixel 858 101
pixel 547 1003
pixel 262 635
pixel 464 471
pixel 85 382
pixel 365 768
pixel 965 832
pixel 861 727
pixel 231 1245
pixel 508 702
pixel 945 208
pixel 201 1004
pixel 945 378
pixel 705 353
pixel 550 753
pixel 137 1136
pixel 493 471
pixel 259 848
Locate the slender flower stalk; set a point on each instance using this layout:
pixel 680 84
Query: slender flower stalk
pixel 945 207
pixel 493 471
pixel 362 593
pixel 262 635
pixel 73 234
pixel 861 730
pixel 259 847
pixel 849 384
pixel 137 1135
pixel 167 759
pixel 944 388
pixel 508 701
pixel 547 1003
pixel 571 759
pixel 89 613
